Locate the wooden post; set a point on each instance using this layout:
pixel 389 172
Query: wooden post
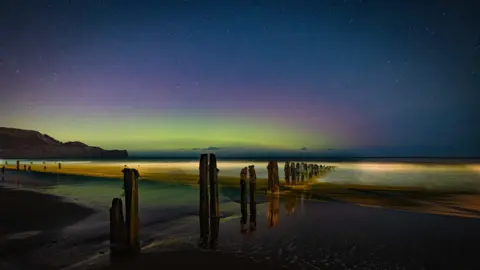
pixel 59 166
pixel 204 224
pixel 276 178
pixel 18 165
pixel 117 229
pixel 252 190
pixel 130 182
pixel 24 167
pixel 286 169
pixel 293 173
pixel 243 199
pixel 297 171
pixel 302 173
pixel 270 177
pixel 214 207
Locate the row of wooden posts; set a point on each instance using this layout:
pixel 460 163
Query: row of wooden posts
pixel 30 167
pixel 124 232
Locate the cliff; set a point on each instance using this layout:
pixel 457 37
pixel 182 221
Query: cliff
pixel 25 144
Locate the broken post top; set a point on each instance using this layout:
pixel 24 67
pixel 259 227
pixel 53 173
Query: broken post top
pixel 243 173
pixel 125 171
pixel 251 172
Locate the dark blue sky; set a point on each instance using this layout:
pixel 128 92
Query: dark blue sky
pixel 367 77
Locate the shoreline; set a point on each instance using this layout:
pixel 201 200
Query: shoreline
pixel 416 199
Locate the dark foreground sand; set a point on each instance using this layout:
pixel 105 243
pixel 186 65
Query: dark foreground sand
pixel 39 216
pixel 192 258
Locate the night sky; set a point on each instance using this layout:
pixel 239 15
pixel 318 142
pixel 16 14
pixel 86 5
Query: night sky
pixel 368 77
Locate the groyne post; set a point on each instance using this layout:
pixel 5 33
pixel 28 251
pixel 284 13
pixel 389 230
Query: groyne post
pixel 286 170
pixel 276 178
pixel 18 165
pixel 293 173
pixel 203 181
pixel 243 198
pixel 117 229
pixel 130 182
pixel 297 171
pixel 252 190
pixel 214 205
pixel 270 176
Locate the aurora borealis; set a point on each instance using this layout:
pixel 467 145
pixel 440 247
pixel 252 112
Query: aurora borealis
pixel 371 77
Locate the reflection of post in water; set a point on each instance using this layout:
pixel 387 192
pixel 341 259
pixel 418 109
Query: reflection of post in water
pixel 273 210
pixel 243 199
pixel 290 204
pixel 204 226
pixel 253 204
pixel 214 208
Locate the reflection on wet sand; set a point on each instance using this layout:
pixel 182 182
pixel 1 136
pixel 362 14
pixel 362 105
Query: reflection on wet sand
pixel 290 202
pixel 273 210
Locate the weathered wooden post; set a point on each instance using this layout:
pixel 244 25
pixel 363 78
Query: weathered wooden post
pixel 297 170
pixel 204 224
pixel 302 173
pixel 276 178
pixel 59 166
pixel 117 229
pixel 270 177
pixel 293 173
pixel 214 207
pixel 286 170
pixel 252 190
pixel 18 165
pixel 243 198
pixel 24 167
pixel 130 182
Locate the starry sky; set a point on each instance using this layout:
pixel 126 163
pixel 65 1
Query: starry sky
pixel 367 77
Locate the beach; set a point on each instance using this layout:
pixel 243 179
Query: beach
pixel 334 226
